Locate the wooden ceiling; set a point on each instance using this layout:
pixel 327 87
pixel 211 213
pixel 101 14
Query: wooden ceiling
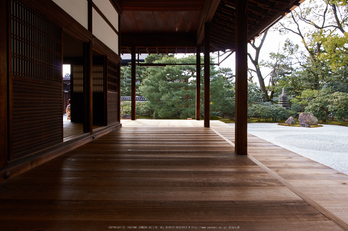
pixel 177 26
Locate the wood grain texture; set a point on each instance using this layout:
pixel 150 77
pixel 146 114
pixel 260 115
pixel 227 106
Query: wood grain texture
pixel 178 177
pixel 321 186
pixel 207 28
pixel 241 114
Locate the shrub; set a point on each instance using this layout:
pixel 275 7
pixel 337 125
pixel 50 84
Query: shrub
pixel 126 108
pixel 339 105
pixel 268 111
pixel 143 108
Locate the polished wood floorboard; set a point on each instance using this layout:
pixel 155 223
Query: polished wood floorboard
pixel 165 175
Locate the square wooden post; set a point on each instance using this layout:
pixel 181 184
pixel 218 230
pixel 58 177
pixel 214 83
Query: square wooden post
pixel 241 135
pixel 119 92
pixel 207 75
pixel 198 83
pixel 88 88
pixel 133 97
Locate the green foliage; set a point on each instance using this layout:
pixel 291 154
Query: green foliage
pixel 335 50
pixel 222 94
pixel 152 58
pixel 126 108
pixel 143 108
pixel 305 98
pixel 254 94
pixel 323 103
pixel 126 77
pixel 318 107
pixel 338 105
pixel 170 90
pixel 268 111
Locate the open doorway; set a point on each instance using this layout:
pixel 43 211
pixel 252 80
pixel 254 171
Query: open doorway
pixel 72 87
pixel 66 92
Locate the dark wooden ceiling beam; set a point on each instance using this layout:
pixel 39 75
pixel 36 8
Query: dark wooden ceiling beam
pixel 159 40
pixel 180 31
pixel 161 5
pixel 116 6
pixel 207 15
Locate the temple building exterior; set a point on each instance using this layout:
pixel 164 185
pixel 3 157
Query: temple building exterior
pixel 38 36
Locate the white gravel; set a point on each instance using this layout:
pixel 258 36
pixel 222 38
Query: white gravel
pixel 327 145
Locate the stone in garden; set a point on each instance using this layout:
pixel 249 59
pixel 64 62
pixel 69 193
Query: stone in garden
pixel 290 121
pixel 305 125
pixel 307 118
pixel 125 116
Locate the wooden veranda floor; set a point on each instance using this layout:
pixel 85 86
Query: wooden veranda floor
pixel 175 175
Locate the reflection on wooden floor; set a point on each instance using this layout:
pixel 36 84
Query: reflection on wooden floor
pixel 149 176
pixel 71 128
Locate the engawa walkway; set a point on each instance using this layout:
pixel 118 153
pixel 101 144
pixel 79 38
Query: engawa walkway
pixel 175 175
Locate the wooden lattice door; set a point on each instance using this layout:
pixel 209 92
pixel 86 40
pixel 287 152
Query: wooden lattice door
pixel 36 82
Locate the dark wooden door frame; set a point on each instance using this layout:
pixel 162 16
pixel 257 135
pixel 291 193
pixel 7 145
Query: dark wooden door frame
pixel 4 45
pixel 88 88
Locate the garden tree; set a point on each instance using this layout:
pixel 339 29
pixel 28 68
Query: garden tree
pixel 254 94
pixel 222 93
pixel 267 96
pixel 281 65
pixel 321 26
pixel 326 101
pixel 306 97
pixel 170 90
pixel 318 103
pixel 338 80
pixel 330 31
pixel 322 103
pixel 126 78
pixel 152 58
pixel 338 105
pixel 126 74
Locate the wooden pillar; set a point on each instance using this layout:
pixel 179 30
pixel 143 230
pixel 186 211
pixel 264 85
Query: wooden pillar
pixel 119 72
pixel 241 138
pixel 198 83
pixel 90 15
pixel 88 88
pixel 119 92
pixel 105 90
pixel 133 98
pixel 3 83
pixel 207 75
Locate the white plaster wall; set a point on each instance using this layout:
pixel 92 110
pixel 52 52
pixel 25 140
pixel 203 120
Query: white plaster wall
pixel 78 9
pixel 103 32
pixel 108 10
